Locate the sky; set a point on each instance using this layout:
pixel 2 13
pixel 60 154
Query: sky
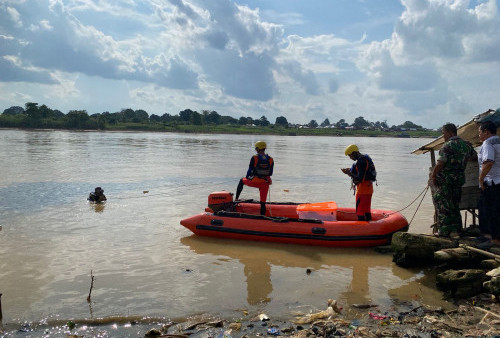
pixel 425 61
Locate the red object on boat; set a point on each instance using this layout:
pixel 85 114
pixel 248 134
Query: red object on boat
pixel 322 224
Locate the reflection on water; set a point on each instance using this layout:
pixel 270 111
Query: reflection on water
pixel 364 276
pixel 97 207
pixel 146 263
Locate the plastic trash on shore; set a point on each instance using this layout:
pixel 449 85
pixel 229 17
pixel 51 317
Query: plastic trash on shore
pixel 224 334
pixel 377 316
pixel 263 317
pixel 273 332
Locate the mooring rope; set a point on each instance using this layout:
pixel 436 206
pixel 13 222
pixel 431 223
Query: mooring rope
pixel 422 192
pixel 418 206
pixel 171 189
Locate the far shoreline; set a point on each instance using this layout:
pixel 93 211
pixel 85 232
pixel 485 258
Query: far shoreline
pixel 190 129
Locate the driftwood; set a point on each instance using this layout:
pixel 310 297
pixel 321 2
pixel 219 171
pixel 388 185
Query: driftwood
pixel 417 250
pixel 458 257
pixel 482 252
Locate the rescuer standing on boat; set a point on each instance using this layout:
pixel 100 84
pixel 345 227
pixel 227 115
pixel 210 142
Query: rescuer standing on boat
pixel 363 175
pixel 259 174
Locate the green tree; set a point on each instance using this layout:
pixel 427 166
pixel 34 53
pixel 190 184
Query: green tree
pixel 113 118
pixel 101 122
pixel 281 121
pixel 57 114
pixel 196 118
pixel 381 125
pixel 409 124
pixel 127 115
pixel 360 122
pixel 14 110
pixel 263 121
pixel 185 115
pixel 228 120
pixel 167 118
pixel 155 118
pixel 141 116
pixel 313 124
pixel 213 117
pixel 45 112
pixel 77 119
pixel 243 121
pixel 341 124
pixel 31 109
pixel 325 123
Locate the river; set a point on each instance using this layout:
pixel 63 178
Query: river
pixel 146 263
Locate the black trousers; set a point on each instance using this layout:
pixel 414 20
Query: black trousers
pixel 489 211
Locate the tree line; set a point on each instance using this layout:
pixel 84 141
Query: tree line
pixel 34 115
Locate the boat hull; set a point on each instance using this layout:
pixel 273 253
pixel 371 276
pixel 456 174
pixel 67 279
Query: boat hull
pixel 282 225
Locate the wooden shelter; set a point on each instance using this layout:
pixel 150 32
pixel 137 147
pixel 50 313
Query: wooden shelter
pixel 468 132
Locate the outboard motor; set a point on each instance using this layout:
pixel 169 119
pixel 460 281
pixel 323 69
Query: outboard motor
pixel 221 200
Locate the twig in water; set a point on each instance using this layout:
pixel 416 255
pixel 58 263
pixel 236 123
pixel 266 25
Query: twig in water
pixel 91 285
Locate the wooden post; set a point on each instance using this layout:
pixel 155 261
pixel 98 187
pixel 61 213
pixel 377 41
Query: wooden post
pixel 433 164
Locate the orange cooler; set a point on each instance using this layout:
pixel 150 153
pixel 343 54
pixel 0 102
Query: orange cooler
pixel 325 211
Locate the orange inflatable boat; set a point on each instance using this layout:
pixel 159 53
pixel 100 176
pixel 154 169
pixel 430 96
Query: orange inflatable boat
pixel 322 224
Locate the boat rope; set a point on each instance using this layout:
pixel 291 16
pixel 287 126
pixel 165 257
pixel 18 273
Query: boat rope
pixel 418 206
pixel 424 192
pixel 174 189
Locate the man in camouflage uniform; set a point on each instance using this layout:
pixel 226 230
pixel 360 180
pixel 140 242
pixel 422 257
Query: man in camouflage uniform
pixel 448 177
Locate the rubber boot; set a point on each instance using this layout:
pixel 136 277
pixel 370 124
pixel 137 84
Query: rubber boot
pixel 368 216
pixel 262 208
pixel 239 189
pixel 361 218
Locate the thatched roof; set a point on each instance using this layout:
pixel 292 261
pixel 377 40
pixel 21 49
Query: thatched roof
pixel 468 131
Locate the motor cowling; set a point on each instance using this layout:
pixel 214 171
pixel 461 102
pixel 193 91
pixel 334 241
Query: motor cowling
pixel 220 200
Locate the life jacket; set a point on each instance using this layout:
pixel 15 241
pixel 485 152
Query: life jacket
pixel 262 165
pixel 370 173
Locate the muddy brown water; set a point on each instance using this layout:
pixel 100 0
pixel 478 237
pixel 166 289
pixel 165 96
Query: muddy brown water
pixel 146 264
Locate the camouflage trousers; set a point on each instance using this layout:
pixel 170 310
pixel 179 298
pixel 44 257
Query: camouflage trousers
pixel 446 198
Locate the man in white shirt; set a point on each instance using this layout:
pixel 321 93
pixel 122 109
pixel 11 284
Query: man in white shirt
pixel 489 181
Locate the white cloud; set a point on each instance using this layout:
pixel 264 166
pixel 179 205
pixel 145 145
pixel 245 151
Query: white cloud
pixel 430 36
pixel 441 59
pixel 14 16
pixel 305 78
pixel 333 85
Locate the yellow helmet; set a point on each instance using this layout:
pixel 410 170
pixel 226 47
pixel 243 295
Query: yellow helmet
pixel 350 149
pixel 260 145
